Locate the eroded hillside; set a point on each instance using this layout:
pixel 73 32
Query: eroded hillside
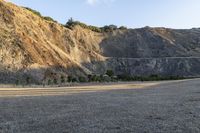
pixel 34 48
pixel 30 44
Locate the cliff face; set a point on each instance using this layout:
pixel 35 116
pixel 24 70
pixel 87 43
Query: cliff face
pixel 33 47
pixel 153 43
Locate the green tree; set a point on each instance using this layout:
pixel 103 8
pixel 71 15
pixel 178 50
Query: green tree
pixel 28 79
pixel 49 82
pixel 70 22
pixel 109 28
pixel 82 79
pixel 55 81
pixel 123 28
pixel 90 78
pixel 17 82
pixel 94 78
pixel 110 73
pixel 69 79
pixel 62 79
pixel 74 80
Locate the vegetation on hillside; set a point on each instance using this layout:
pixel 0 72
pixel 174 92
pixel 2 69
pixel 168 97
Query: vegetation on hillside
pixel 109 76
pixel 108 28
pixel 71 24
pixel 34 11
pixel 39 14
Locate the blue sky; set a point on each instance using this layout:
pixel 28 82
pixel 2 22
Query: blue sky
pixel 131 13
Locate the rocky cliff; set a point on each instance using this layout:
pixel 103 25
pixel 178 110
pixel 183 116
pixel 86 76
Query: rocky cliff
pixel 34 48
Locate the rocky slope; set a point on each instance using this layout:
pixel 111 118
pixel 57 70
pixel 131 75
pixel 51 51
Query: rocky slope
pixel 37 49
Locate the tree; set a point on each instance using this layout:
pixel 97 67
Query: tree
pixel 123 28
pixel 82 79
pixel 106 28
pixel 110 73
pixel 90 78
pixel 28 80
pixel 74 80
pixel 17 82
pixel 94 78
pixel 70 22
pixel 49 82
pixel 62 79
pixel 113 27
pixel 69 79
pixel 55 81
pixel 109 28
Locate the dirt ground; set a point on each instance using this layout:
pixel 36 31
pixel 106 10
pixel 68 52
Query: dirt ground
pixel 148 107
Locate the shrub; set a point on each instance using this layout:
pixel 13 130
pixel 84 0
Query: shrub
pixel 49 19
pixel 105 78
pixel 123 28
pixel 17 82
pixel 55 81
pixel 106 29
pixel 71 24
pixel 90 78
pixel 28 79
pixel 49 82
pixel 94 28
pixel 124 77
pixel 110 73
pixel 94 78
pixel 39 14
pixel 33 11
pixel 62 79
pixel 82 79
pixel 113 27
pixel 152 77
pixel 69 79
pixel 109 28
pixel 74 80
pixel 102 78
pixel 98 78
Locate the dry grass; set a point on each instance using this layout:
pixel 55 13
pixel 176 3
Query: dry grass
pixel 171 106
pixel 14 92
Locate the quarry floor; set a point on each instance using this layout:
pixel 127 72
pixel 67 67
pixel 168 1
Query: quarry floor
pixel 138 107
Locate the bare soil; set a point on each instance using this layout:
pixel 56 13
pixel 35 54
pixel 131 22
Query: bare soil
pixel 148 107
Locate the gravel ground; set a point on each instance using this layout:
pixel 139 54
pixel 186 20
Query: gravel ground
pixel 167 107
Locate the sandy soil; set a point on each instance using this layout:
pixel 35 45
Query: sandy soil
pixel 172 106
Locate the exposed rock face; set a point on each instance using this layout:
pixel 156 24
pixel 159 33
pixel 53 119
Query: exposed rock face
pixel 38 49
pixel 166 66
pixel 153 42
pixel 161 66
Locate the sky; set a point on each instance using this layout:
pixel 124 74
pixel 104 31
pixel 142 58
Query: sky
pixel 179 14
